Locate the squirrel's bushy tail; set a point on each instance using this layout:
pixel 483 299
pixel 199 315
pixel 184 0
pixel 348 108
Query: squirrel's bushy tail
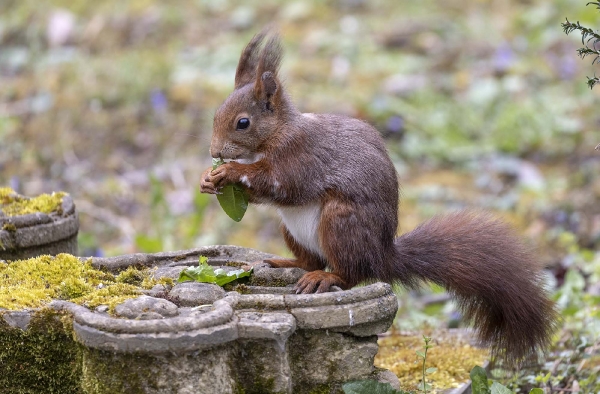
pixel 491 274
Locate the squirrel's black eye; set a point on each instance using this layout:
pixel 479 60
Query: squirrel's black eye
pixel 243 124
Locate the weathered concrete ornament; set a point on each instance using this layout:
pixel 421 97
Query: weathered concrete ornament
pixel 197 338
pixel 33 234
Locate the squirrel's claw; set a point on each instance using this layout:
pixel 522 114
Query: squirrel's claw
pixel 319 280
pixel 219 176
pixel 212 181
pixel 206 183
pixel 209 190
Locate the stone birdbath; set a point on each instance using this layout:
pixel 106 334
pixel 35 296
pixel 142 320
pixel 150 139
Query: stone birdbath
pixel 193 337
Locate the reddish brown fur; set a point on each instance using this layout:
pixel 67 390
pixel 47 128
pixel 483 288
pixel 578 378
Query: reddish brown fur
pixel 305 259
pixel 337 170
pixel 494 278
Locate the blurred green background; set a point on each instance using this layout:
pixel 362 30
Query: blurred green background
pixel 483 103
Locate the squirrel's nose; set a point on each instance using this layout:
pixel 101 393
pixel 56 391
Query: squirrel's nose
pixel 215 154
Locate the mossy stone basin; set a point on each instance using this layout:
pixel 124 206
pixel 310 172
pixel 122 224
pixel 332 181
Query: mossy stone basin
pixel 198 338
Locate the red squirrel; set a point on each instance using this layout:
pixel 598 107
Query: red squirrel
pixel 336 190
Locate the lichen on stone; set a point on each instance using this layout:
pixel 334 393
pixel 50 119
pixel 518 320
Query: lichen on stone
pixel 13 204
pixel 35 282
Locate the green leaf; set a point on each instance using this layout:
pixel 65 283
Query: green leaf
pixel 207 274
pixel 479 381
pixel 223 277
pixel 424 386
pixel 536 391
pixel 420 354
pixel 430 370
pixel 234 201
pixel 547 377
pixel 498 388
pixel 202 273
pixel 370 387
pixel 217 162
pixel 233 198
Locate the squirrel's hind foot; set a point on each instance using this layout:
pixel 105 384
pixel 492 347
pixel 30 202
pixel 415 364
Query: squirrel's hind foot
pixel 320 280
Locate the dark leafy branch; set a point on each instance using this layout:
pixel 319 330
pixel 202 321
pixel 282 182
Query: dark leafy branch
pixel 589 38
pixel 587 34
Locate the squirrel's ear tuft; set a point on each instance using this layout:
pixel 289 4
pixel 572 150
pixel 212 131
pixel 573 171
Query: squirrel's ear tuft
pixel 266 87
pixel 270 57
pixel 246 69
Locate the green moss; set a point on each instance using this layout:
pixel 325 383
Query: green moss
pixel 6 193
pixel 34 282
pixel 262 385
pixel 321 389
pixel 142 277
pixel 236 264
pixel 111 295
pixel 13 205
pixel 132 276
pixel 453 357
pixel 254 281
pixel 42 359
pixel 242 289
pixel 254 377
pixel 169 282
pixel 136 373
pixel 73 288
pixel 9 227
pixel 108 373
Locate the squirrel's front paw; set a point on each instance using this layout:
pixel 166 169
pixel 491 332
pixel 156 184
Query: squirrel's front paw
pixel 213 180
pixel 206 184
pixel 222 175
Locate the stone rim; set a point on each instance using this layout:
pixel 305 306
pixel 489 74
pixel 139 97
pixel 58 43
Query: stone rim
pixel 362 311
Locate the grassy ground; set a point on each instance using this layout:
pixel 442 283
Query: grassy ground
pixel 483 103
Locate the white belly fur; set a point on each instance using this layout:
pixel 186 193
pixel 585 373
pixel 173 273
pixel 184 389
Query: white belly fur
pixel 302 222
